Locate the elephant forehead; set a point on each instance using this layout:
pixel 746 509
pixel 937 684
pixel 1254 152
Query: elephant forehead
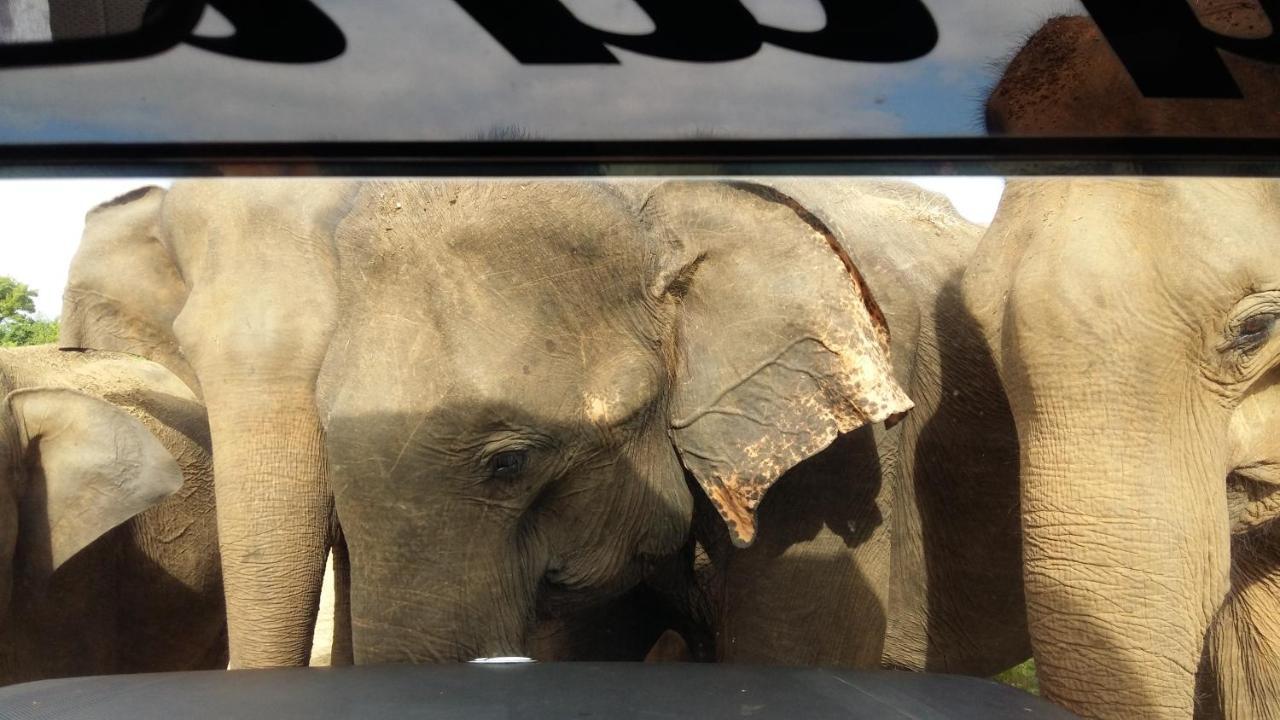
pixel 413 362
pixel 540 226
pixel 539 254
pixel 1193 235
pixel 489 292
pixel 1215 241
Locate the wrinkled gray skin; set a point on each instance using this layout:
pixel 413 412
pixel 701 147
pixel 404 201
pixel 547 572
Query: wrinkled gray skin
pixel 597 345
pixel 1135 326
pixel 232 286
pixel 108 542
pixel 895 546
pixel 516 379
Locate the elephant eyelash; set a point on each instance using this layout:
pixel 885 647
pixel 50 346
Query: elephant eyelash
pixel 1252 332
pixel 509 461
pixel 507 464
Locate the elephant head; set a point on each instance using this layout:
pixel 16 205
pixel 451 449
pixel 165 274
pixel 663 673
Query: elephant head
pixel 124 289
pixel 1135 325
pixel 523 374
pixel 75 467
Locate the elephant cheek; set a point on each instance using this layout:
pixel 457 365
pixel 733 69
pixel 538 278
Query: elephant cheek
pixel 671 502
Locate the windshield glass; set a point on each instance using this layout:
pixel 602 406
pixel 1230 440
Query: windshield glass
pixel 930 424
pixel 464 71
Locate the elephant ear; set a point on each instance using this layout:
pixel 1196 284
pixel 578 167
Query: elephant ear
pixel 89 466
pixel 124 289
pixel 780 344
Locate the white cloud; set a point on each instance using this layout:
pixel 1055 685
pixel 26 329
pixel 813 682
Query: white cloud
pixel 41 227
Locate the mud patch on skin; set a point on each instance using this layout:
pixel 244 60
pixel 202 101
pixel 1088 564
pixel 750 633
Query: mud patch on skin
pixel 621 388
pixel 599 409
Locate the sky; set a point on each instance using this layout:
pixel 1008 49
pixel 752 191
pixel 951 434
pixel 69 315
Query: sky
pixel 40 226
pixel 41 222
pixel 425 70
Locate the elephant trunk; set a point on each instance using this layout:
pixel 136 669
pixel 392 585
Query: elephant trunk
pixel 274 515
pixel 463 585
pixel 1126 549
pixel 472 607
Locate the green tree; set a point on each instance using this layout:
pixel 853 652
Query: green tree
pixel 19 324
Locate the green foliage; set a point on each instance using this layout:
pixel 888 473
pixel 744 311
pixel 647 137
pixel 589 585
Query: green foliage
pixel 28 332
pixel 19 325
pixel 16 300
pixel 1021 676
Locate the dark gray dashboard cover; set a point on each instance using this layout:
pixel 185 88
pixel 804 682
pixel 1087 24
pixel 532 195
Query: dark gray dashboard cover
pixel 616 691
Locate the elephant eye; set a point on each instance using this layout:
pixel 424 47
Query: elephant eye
pixel 507 464
pixel 1254 331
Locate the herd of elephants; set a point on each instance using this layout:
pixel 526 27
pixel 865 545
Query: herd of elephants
pixel 797 421
pixel 788 420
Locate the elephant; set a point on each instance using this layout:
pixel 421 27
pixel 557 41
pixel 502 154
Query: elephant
pixel 896 546
pixel 1066 80
pixel 496 394
pixel 108 539
pixel 1132 322
pixel 529 372
pixel 232 287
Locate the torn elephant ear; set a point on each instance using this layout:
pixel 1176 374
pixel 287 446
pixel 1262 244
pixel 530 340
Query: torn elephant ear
pixel 780 344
